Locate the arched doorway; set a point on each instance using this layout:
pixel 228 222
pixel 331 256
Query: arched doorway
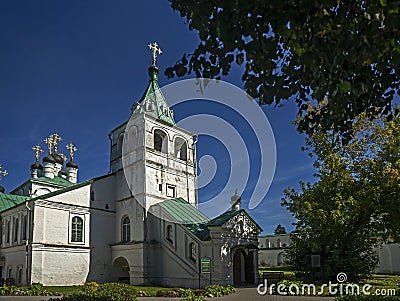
pixel 250 268
pixel 121 266
pixel 239 265
pixel 280 259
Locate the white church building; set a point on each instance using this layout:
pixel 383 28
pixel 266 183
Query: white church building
pixel 137 224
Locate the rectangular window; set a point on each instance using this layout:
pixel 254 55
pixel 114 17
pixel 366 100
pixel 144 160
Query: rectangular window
pixel 8 231
pixel 171 191
pixel 159 187
pixel 24 225
pixel 16 229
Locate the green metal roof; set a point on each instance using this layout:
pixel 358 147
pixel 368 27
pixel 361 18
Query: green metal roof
pixel 153 102
pixel 56 181
pixel 224 217
pixel 200 230
pixel 8 201
pixel 183 212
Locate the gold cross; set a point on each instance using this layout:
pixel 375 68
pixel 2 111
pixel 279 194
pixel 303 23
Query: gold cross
pixel 156 50
pixel 71 149
pixel 50 142
pixel 63 156
pixel 56 139
pixel 3 173
pixel 38 150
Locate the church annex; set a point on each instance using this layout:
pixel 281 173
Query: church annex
pixel 137 224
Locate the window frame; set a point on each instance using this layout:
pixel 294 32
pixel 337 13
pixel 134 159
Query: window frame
pixel 168 187
pixel 193 252
pixel 125 229
pixel 74 231
pixel 15 230
pixel 170 234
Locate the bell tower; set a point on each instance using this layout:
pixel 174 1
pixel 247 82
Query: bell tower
pixel 157 157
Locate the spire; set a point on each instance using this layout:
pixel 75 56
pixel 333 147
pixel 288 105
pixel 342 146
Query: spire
pixel 153 102
pixel 235 201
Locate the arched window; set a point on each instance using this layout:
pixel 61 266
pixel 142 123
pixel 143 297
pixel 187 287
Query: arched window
pixel 160 141
pixel 170 234
pixel 192 251
pixel 180 149
pixel 77 229
pixel 278 243
pixel 16 229
pixel 126 229
pixel 267 244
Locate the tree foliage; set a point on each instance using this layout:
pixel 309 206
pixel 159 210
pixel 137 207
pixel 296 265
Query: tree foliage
pixel 280 229
pixel 345 51
pixel 354 204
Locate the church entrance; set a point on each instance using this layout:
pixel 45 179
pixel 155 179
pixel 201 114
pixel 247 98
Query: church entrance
pixel 243 267
pixel 121 267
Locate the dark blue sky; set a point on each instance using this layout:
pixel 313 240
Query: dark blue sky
pixel 76 67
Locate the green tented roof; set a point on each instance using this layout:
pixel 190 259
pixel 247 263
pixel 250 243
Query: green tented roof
pixel 153 102
pixel 56 181
pixel 183 212
pixel 8 201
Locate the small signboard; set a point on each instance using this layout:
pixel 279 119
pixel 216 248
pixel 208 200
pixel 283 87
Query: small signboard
pixel 205 265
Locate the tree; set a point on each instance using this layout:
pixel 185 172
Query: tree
pixel 345 51
pixel 353 206
pixel 280 230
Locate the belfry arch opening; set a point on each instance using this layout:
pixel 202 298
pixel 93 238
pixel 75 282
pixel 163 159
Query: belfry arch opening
pixel 180 147
pixel 160 141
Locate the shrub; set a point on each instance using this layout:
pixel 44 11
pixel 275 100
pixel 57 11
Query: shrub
pixel 287 284
pixel 103 292
pixel 36 289
pixel 218 290
pixel 189 295
pixel 7 289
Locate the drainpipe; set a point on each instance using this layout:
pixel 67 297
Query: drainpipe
pixel 27 242
pixel 195 140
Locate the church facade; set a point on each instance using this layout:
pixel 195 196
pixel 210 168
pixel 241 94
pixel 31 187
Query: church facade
pixel 137 224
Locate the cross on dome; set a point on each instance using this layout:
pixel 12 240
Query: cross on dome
pixel 156 50
pixel 38 150
pixel 71 148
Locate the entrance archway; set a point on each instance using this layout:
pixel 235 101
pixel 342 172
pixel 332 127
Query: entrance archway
pixel 239 265
pixel 280 259
pixel 250 268
pixel 121 266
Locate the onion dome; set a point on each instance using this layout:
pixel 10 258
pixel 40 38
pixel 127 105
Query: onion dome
pixel 36 165
pixel 58 159
pixel 2 189
pixel 49 159
pixel 72 164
